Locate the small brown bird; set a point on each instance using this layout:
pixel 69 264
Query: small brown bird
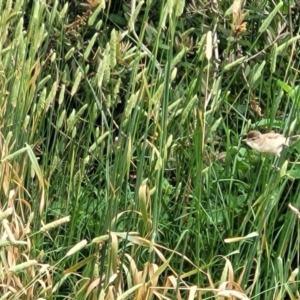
pixel 271 142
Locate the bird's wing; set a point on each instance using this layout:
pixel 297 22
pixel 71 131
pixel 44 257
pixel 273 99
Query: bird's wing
pixel 274 135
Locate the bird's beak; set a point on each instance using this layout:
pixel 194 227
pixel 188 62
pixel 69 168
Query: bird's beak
pixel 244 138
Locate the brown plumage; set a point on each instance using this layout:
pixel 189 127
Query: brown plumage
pixel 271 142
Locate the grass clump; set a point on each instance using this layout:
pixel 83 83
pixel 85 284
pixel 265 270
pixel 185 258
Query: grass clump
pixel 123 175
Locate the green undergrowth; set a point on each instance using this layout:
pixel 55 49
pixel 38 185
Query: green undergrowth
pixel 123 172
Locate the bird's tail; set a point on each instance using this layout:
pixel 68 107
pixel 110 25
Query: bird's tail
pixel 294 138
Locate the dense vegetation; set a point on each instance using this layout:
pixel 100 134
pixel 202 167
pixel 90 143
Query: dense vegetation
pixel 123 174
